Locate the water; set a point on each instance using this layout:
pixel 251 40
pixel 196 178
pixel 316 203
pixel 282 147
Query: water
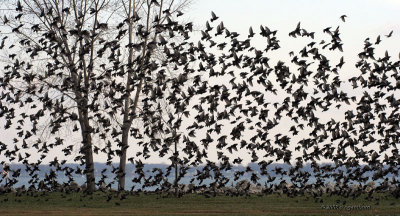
pixel 24 178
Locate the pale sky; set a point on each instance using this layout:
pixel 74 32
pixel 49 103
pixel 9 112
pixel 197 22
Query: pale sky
pixel 365 18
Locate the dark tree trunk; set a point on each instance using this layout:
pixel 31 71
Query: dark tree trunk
pixel 87 151
pixel 122 161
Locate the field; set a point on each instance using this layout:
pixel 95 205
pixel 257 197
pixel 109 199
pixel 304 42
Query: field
pixel 191 204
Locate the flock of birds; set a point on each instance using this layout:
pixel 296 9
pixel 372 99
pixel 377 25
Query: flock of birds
pixel 204 104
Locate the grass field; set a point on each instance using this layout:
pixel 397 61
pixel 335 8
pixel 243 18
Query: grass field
pixel 191 204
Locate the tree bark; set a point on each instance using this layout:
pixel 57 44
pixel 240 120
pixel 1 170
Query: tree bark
pixel 88 152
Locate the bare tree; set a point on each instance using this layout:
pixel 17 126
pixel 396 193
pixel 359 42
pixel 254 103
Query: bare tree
pixel 65 35
pixel 155 20
pixel 76 36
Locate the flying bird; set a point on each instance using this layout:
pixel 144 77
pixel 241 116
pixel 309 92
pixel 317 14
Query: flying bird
pixel 343 18
pixel 390 34
pixel 213 16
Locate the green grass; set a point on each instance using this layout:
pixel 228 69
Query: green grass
pixel 191 204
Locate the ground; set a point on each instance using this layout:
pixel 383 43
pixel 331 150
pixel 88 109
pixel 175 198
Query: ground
pixel 78 204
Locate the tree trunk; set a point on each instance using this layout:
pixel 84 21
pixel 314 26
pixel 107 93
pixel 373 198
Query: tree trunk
pixel 122 161
pixel 87 150
pixel 176 172
pixel 90 178
pixel 176 163
pixel 125 136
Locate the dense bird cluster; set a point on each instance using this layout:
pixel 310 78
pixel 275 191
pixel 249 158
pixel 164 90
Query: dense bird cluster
pixel 219 95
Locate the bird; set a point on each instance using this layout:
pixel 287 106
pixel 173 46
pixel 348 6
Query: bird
pixel 179 13
pixel 155 2
pixel 390 34
pixel 251 33
pixel 5 20
pixel 19 6
pixel 213 16
pixel 296 32
pixel 378 40
pixel 343 17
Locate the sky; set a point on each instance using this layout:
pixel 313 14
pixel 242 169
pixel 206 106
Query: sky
pixel 365 18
